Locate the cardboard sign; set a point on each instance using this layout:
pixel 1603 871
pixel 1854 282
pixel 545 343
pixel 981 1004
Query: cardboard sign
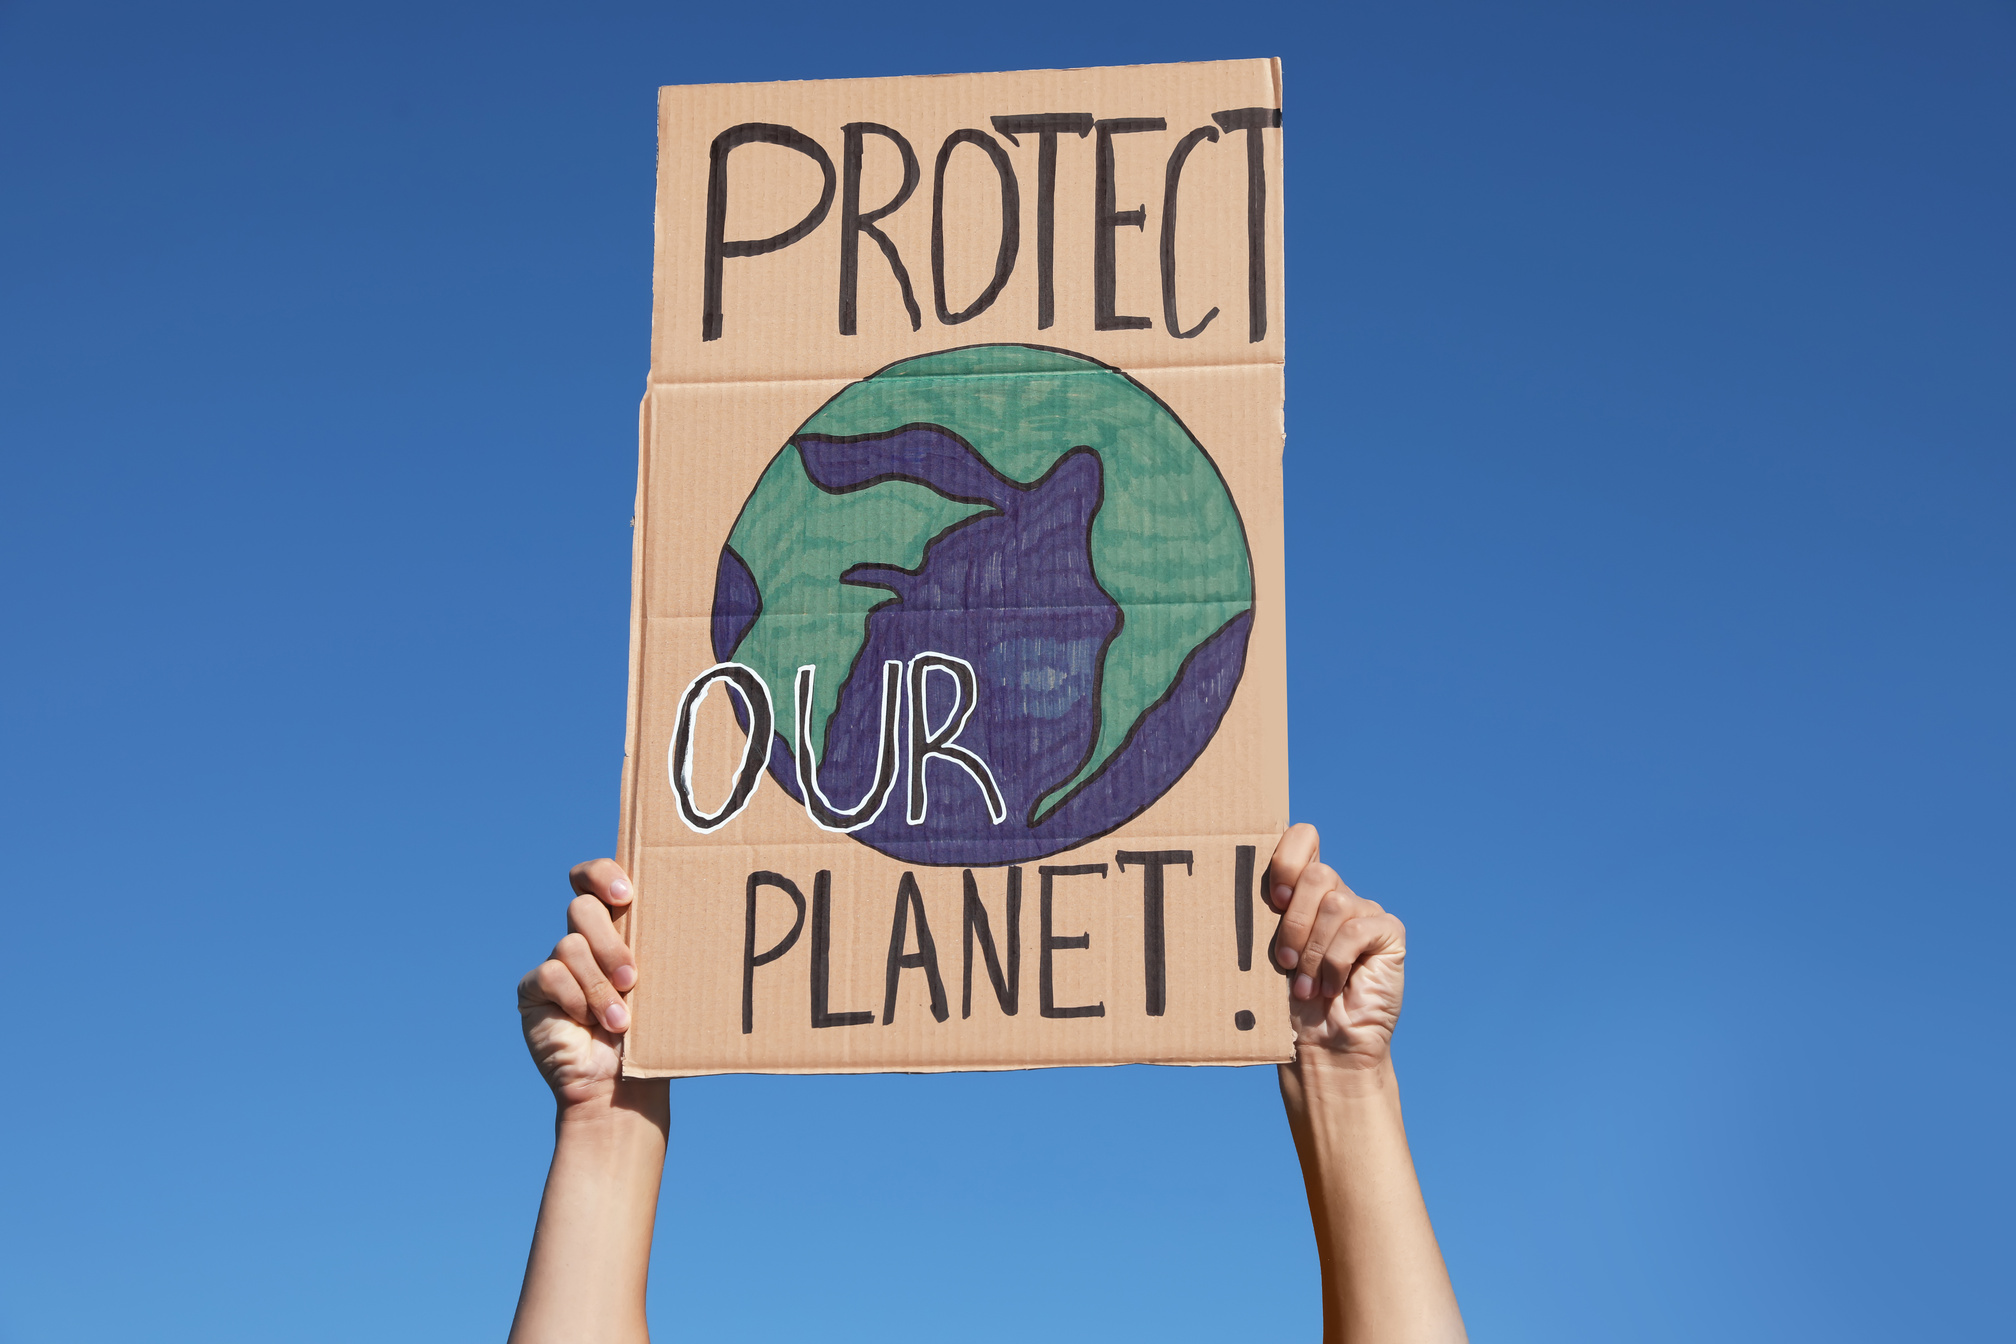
pixel 957 733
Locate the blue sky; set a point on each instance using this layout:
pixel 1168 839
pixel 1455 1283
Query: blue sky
pixel 1652 392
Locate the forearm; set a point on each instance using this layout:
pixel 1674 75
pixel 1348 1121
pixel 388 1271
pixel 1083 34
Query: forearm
pixel 1383 1277
pixel 591 1252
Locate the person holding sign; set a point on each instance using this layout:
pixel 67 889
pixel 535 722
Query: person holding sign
pixel 1383 1276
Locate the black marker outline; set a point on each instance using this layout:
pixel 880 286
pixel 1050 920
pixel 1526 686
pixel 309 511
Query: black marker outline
pixel 853 223
pixel 748 772
pixel 989 510
pixel 973 916
pixel 943 741
pixel 718 247
pixel 925 958
pixel 822 960
pixel 1171 182
pixel 1107 218
pixel 1242 904
pixel 1047 942
pixel 750 961
pixel 1154 892
pixel 1046 127
pixel 1254 120
pixel 1176 680
pixel 1011 225
pixel 754 616
pixel 887 751
pixel 1253 606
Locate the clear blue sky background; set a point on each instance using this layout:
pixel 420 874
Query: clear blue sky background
pixel 1652 400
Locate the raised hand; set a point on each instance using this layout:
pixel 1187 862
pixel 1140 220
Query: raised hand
pixel 571 1004
pixel 592 1248
pixel 1347 956
pixel 1345 959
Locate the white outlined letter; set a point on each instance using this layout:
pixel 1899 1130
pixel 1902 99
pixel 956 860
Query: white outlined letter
pixel 926 742
pixel 824 815
pixel 755 696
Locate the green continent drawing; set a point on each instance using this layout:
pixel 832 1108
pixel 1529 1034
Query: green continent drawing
pixel 1029 513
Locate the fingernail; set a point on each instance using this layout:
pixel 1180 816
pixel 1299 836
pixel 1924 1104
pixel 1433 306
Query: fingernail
pixel 619 890
pixel 1287 956
pixel 1282 895
pixel 616 1016
pixel 1304 986
pixel 623 977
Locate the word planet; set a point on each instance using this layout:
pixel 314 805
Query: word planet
pixel 1038 529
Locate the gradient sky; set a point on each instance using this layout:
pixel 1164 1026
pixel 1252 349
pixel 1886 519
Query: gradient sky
pixel 1652 399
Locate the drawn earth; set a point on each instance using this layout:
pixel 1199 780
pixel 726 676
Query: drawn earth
pixel 1041 516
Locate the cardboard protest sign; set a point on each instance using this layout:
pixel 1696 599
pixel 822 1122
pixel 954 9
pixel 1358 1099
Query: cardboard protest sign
pixel 957 729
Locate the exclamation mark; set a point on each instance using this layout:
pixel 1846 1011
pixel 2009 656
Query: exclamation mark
pixel 1242 923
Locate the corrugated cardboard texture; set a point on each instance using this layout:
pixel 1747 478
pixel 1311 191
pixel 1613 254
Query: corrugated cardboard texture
pixel 1001 466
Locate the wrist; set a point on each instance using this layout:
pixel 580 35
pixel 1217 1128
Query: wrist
pixel 1321 1076
pixel 628 1105
pixel 1340 1110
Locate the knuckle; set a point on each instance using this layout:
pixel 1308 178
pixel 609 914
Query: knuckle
pixel 1332 903
pixel 573 945
pixel 1369 931
pixel 588 973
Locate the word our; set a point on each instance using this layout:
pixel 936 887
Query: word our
pixel 925 742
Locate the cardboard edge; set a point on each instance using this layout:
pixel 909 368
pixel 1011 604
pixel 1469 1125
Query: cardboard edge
pixel 628 925
pixel 663 89
pixel 841 1070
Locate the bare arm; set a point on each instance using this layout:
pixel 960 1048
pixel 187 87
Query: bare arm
pixel 591 1251
pixel 1383 1277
